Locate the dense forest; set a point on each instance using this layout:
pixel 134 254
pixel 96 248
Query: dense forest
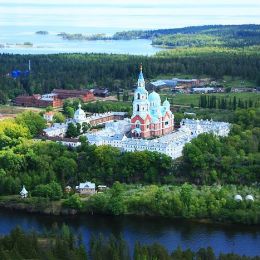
pixel 207 35
pixel 119 72
pixel 64 244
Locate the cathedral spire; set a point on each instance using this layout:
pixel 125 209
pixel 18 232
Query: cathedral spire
pixel 141 77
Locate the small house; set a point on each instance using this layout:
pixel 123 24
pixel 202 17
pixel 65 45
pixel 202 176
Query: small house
pixel 101 92
pixel 68 189
pixel 102 188
pixel 48 116
pixel 24 193
pixel 86 188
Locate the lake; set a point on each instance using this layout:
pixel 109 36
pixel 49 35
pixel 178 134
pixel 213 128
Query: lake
pixel 12 38
pixel 239 239
pixel 19 20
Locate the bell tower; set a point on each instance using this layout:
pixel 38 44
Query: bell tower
pixel 141 104
pixel 140 120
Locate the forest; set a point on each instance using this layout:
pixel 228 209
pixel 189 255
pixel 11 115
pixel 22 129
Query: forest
pixel 119 72
pixel 65 245
pixel 207 35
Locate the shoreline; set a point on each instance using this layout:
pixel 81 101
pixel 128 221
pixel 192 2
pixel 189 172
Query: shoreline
pixel 55 208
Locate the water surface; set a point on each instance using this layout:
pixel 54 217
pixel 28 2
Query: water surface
pixel 237 239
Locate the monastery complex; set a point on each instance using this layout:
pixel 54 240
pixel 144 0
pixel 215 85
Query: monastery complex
pixel 151 126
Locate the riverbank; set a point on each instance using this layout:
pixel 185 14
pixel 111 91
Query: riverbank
pixel 36 205
pixel 44 206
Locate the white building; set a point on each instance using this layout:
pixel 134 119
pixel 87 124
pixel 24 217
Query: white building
pixel 115 133
pixel 171 144
pixel 24 193
pixel 60 129
pixel 48 116
pixel 86 188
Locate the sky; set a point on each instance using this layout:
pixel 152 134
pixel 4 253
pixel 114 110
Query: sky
pixel 128 14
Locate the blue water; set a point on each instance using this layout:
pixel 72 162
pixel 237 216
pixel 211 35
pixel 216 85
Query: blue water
pixel 239 239
pixel 51 43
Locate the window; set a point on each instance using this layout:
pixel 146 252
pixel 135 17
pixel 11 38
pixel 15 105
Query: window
pixel 138 109
pixel 138 96
pixel 166 123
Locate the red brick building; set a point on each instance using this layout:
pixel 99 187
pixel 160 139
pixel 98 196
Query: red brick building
pixel 38 101
pixel 83 94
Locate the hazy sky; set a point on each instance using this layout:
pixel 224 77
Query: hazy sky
pixel 127 13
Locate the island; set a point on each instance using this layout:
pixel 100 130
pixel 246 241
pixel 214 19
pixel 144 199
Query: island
pixel 82 37
pixel 193 36
pixel 42 32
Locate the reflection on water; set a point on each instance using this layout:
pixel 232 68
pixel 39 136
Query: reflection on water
pixel 171 233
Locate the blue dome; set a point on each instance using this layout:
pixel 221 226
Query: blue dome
pixel 154 99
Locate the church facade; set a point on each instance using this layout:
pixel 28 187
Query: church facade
pixel 150 118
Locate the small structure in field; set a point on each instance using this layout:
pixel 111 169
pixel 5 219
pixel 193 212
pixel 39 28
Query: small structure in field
pixel 238 198
pixel 101 188
pixel 249 198
pixel 24 193
pixel 86 188
pixel 68 189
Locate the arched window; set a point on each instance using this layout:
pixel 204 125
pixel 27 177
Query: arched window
pixel 138 109
pixel 138 96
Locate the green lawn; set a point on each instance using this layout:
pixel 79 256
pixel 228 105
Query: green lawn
pixel 237 82
pixel 188 99
pixel 9 109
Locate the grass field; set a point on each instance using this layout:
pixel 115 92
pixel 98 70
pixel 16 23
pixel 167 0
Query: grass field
pixel 188 99
pixel 14 110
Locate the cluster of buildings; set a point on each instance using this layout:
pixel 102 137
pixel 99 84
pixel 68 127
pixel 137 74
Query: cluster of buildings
pixel 58 130
pixel 162 83
pixel 53 99
pixel 150 128
pixel 188 86
pixel 84 188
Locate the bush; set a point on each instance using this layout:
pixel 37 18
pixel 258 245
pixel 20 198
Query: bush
pixel 53 191
pixel 73 201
